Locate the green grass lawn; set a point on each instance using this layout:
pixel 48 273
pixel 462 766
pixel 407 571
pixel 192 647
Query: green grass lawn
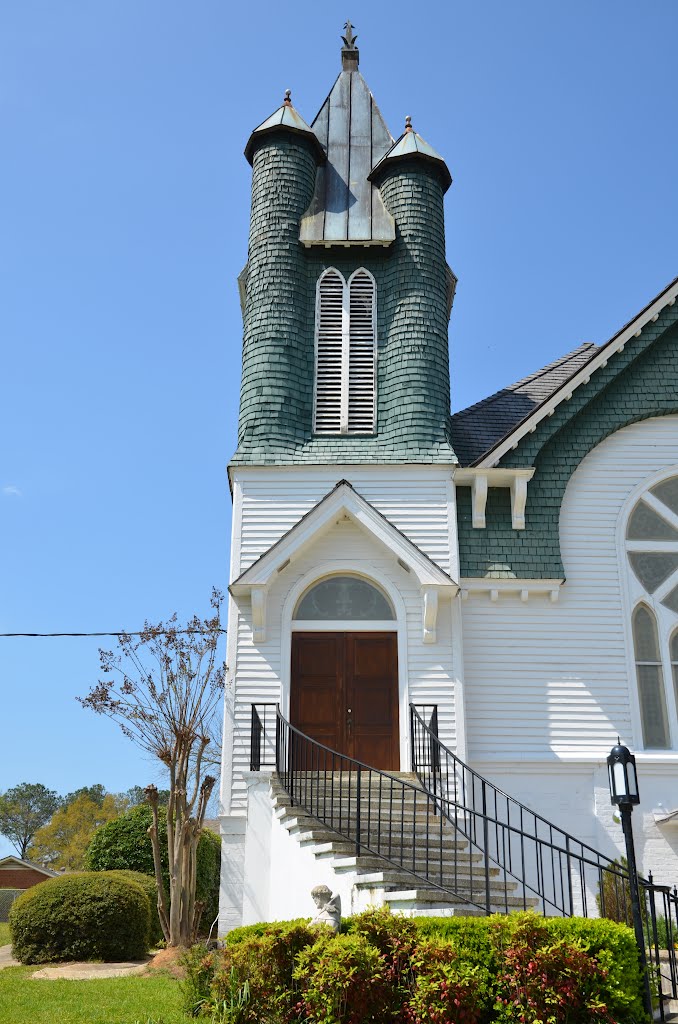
pixel 104 1001
pixel 4 934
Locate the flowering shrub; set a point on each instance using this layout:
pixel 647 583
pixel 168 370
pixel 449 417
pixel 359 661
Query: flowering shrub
pixel 546 981
pixel 445 989
pixel 343 980
pixel 386 969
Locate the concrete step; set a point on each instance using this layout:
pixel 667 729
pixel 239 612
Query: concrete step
pixel 423 895
pixel 366 862
pixel 392 878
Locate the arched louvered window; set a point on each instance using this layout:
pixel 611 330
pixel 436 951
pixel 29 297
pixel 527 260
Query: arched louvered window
pixel 650 679
pixel 345 359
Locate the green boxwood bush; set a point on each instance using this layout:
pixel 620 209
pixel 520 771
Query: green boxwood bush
pixel 155 934
pixel 86 916
pixel 385 968
pixel 124 844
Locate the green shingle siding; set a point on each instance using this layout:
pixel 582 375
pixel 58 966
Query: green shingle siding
pixel 638 383
pixel 276 409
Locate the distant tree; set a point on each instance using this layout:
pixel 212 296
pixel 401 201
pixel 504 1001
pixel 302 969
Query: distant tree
pixel 23 810
pixel 165 689
pixel 63 842
pixel 97 793
pixel 137 795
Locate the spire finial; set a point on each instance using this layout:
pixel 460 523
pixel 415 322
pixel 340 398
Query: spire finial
pixel 408 124
pixel 288 98
pixel 349 39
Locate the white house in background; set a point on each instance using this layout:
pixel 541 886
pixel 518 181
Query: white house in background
pixel 513 565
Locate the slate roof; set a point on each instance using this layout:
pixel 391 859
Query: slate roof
pixel 479 427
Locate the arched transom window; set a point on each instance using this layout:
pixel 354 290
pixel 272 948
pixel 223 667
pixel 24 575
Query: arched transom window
pixel 652 552
pixel 345 354
pixel 344 598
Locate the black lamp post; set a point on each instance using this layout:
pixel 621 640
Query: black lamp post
pixel 621 767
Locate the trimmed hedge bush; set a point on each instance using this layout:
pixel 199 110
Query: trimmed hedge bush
pixel 87 916
pixel 124 845
pixel 147 883
pixel 385 968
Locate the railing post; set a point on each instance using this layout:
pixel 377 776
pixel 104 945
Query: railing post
pixel 486 842
pixel 625 810
pixel 357 813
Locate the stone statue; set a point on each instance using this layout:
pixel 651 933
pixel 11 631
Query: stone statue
pixel 328 907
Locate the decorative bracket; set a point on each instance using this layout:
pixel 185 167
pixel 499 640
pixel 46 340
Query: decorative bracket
pixel 430 614
pixel 479 500
pixel 480 479
pixel 258 595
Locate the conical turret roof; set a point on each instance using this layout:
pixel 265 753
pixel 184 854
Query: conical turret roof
pixel 284 119
pixel 411 145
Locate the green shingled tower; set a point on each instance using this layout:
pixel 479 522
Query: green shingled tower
pixel 343 193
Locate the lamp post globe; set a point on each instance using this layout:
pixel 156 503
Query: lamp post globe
pixel 623 779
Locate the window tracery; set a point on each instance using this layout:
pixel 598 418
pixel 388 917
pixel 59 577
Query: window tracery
pixel 652 552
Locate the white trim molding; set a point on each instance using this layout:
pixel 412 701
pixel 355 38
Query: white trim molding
pixel 480 479
pixel 616 344
pixel 510 587
pixel 343 503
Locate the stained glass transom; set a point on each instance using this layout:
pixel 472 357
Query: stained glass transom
pixel 344 598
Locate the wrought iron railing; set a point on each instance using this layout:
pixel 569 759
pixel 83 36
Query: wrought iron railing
pixel 567 876
pixel 458 833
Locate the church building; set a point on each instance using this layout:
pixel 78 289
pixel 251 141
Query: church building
pixel 439 623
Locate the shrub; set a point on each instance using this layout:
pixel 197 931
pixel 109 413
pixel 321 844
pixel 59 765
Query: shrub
pixel 384 967
pixel 88 916
pixel 446 989
pixel 343 980
pixel 124 844
pixel 148 885
pixel 265 962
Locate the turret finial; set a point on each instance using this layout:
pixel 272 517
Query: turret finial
pixel 349 39
pixel 288 98
pixel 408 124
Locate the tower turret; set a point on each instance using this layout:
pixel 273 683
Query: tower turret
pixel 348 293
pixel 284 153
pixel 413 179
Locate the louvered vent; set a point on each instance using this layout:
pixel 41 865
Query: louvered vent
pixel 345 381
pixel 361 374
pixel 329 354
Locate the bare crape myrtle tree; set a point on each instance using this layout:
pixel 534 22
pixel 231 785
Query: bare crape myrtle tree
pixel 163 687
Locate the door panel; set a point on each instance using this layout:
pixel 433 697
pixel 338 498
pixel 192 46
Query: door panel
pixel 344 694
pixel 372 696
pixel 316 692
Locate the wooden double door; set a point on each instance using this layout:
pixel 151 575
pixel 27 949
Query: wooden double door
pixel 344 694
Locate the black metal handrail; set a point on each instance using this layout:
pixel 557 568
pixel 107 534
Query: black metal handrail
pixel 377 813
pixel 460 834
pixel 561 871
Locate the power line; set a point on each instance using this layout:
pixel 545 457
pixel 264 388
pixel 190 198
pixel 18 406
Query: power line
pixel 118 633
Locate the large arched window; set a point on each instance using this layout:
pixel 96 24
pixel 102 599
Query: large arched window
pixel 652 552
pixel 345 354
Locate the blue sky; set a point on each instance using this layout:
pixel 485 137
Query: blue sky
pixel 124 205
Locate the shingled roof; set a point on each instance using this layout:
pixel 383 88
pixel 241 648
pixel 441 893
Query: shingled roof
pixel 476 429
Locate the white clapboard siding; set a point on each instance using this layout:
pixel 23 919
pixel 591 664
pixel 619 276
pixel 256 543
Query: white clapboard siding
pixel 362 352
pixel 417 500
pixel 542 678
pixel 259 671
pixel 329 369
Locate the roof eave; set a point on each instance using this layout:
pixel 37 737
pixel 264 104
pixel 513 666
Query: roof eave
pixel 599 358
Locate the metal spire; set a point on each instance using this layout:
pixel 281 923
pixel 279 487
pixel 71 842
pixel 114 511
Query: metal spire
pixel 349 39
